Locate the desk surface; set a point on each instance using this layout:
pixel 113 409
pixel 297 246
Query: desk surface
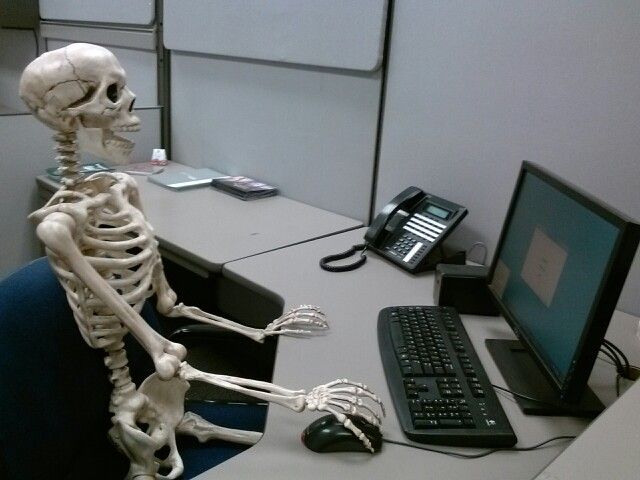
pixel 352 301
pixel 207 228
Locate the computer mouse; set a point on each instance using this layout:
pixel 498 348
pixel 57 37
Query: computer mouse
pixel 327 434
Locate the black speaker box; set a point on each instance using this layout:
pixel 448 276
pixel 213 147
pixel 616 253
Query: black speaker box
pixel 464 287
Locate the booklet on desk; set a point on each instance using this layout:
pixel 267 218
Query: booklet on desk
pixel 54 173
pixel 244 188
pixel 183 179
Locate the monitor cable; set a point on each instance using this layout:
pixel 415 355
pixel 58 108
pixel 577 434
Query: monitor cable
pixel 526 397
pixel 622 358
pixel 624 370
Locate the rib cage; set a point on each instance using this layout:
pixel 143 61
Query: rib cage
pixel 118 243
pixel 107 237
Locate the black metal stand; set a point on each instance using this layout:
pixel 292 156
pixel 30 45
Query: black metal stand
pixel 523 376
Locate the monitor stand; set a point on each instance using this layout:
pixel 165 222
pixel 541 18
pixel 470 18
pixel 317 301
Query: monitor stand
pixel 523 376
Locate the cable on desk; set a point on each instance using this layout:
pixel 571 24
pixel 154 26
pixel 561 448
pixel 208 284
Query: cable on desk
pixel 615 361
pixel 619 354
pixel 623 368
pixel 471 456
pixel 483 246
pixel 521 395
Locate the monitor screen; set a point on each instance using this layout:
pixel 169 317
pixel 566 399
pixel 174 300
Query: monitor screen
pixel 557 272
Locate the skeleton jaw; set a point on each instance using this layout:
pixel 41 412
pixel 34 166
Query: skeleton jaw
pixel 107 145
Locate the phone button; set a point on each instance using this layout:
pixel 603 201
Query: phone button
pixel 412 252
pixel 432 229
pixel 429 220
pixel 419 233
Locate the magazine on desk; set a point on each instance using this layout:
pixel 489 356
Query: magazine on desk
pixel 185 178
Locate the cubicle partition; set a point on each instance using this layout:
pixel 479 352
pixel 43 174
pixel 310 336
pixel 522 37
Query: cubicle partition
pixel 288 93
pixel 475 88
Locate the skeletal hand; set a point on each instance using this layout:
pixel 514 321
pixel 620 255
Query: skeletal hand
pixel 302 321
pixel 342 397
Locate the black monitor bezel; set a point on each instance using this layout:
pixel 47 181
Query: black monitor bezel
pixel 575 382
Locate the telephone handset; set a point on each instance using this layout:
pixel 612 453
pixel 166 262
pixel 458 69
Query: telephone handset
pixel 411 226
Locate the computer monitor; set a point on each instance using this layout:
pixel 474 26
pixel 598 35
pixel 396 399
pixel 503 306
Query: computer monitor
pixel 561 261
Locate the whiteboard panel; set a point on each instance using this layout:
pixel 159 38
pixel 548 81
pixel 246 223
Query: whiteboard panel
pixel 310 132
pixel 328 33
pixel 134 12
pixel 141 68
pixel 475 88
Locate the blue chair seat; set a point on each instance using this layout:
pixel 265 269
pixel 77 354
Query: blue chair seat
pixel 54 391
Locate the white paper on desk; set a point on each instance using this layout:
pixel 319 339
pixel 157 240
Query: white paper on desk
pixel 184 179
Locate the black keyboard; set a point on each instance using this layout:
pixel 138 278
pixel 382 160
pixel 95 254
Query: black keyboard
pixel 440 391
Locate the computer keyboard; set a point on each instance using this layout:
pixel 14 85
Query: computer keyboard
pixel 440 391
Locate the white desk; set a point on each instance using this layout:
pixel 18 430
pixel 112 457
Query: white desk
pixel 203 228
pixel 352 301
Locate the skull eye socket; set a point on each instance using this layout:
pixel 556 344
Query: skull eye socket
pixel 112 92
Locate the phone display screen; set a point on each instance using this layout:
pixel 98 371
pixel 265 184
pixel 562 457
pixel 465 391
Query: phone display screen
pixel 437 211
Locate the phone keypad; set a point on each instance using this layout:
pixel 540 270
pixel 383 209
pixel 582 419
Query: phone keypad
pixel 407 248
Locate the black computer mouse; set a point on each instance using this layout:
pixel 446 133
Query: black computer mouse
pixel 327 434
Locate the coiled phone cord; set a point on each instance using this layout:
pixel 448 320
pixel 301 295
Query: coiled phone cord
pixel 361 247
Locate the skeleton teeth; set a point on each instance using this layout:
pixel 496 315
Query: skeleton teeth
pixel 126 128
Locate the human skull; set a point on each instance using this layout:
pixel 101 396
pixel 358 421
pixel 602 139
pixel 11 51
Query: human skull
pixel 82 88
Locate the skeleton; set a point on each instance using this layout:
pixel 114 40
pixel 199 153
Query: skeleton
pixel 106 258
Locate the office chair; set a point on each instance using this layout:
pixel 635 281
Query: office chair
pixel 54 391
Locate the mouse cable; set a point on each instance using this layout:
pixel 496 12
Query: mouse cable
pixel 471 456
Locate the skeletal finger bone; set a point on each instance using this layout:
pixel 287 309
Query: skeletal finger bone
pixel 304 320
pixel 346 421
pixel 330 394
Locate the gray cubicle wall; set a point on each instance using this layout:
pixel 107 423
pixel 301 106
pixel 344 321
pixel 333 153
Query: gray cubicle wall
pixel 474 88
pixel 285 91
pixel 25 151
pixel 17 49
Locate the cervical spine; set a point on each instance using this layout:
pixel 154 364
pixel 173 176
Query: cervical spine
pixel 67 148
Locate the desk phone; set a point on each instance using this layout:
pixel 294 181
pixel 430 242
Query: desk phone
pixel 411 226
